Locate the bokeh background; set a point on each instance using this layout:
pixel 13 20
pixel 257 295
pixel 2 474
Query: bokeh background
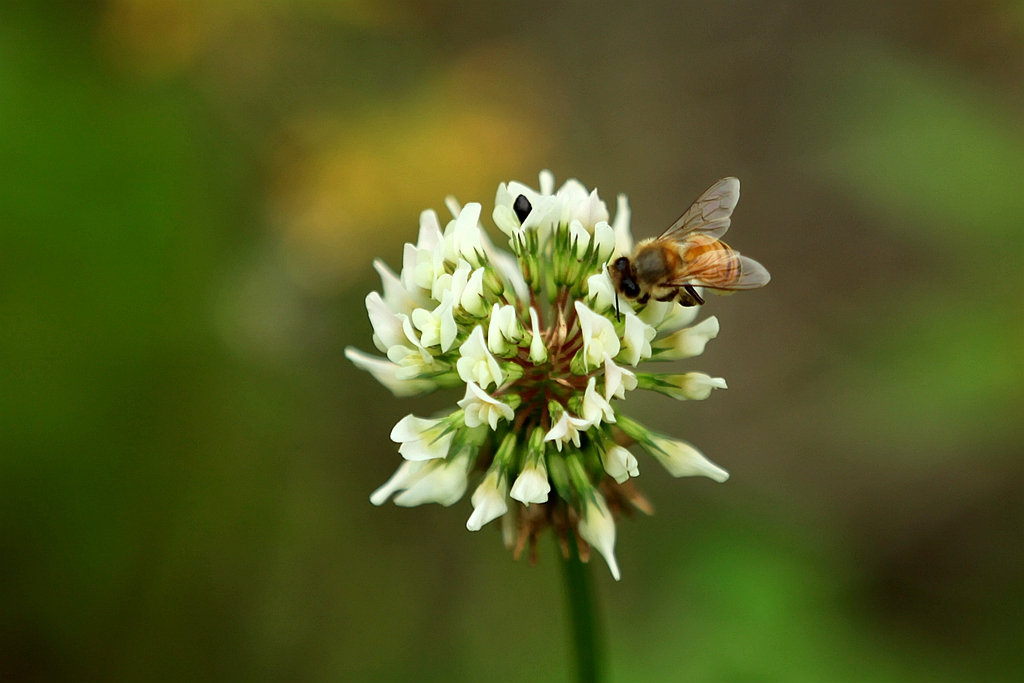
pixel 191 193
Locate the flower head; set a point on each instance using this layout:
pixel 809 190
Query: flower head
pixel 542 345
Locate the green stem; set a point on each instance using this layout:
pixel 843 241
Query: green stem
pixel 579 593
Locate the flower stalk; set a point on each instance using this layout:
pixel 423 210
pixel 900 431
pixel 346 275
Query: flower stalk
pixel 584 633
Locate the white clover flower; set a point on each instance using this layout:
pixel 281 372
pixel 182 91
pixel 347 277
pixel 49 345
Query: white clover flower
pixel 689 386
pixel 421 268
pixel 440 481
pixel 686 343
pixel 405 476
pixel 599 338
pixel 595 408
pixel 462 237
pixel 396 296
pixel 623 236
pixel 423 439
pixel 576 204
pixel 676 317
pixel 619 463
pixel 476 363
pixel 489 500
pixel 504 330
pixel 604 241
pixel 531 486
pixel 483 409
pixel 603 296
pixel 598 529
pixel 538 216
pixel 617 380
pixel 387 325
pixel 386 372
pixel 472 299
pixel 437 327
pixel 423 262
pixel 538 351
pixel 683 460
pixel 579 239
pixel 412 357
pixel 567 430
pixel 636 340
pixel 541 344
pixel 455 282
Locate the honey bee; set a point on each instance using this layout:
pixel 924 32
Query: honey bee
pixel 689 255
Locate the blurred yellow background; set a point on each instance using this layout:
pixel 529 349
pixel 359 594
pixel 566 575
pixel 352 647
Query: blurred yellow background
pixel 191 194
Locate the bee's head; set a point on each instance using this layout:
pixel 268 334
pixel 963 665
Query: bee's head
pixel 621 272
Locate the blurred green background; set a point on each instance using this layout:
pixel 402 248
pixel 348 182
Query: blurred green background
pixel 191 193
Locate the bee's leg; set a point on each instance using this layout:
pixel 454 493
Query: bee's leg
pixel 644 299
pixel 692 295
pixel 685 299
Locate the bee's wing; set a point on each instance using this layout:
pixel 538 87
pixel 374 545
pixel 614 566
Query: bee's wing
pixel 710 214
pixel 723 269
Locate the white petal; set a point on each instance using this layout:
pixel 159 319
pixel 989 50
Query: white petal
pixel 531 486
pixel 396 296
pixel 473 296
pixel 683 460
pixel 677 317
pixel 384 371
pixel 617 380
pixel 688 342
pixel 441 482
pixel 482 408
pixel 603 295
pixel 623 236
pixel 488 501
pixel 636 340
pixel 538 352
pixel 547 182
pixel 430 230
pixel 476 363
pixel 421 439
pixel 595 408
pixel 387 325
pixel 599 336
pixel 404 476
pixel 598 529
pixel 604 241
pixel 619 463
pixel 579 238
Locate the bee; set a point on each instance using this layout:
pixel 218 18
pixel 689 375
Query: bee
pixel 689 255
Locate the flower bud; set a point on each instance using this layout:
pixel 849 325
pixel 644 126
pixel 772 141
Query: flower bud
pixel 597 527
pixel 538 351
pixel 531 486
pixel 690 386
pixel 579 239
pixel 472 300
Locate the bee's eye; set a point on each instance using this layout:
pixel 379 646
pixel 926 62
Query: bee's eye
pixel 521 207
pixel 622 264
pixel 629 288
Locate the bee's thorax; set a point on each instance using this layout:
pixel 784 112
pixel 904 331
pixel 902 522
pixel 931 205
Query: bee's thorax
pixel 654 263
